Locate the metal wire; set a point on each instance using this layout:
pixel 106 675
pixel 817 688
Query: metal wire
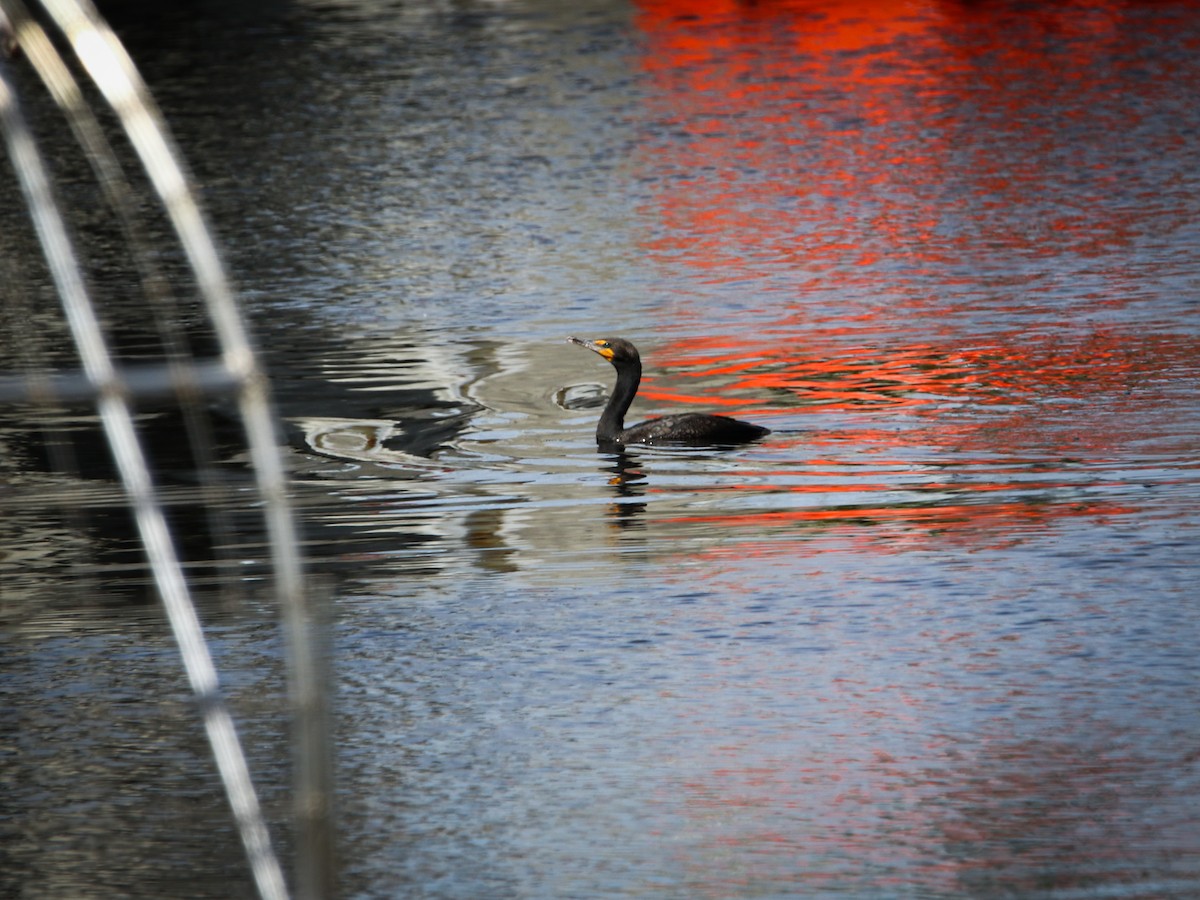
pixel 111 387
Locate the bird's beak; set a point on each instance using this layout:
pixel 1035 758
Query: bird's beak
pixel 605 352
pixel 582 343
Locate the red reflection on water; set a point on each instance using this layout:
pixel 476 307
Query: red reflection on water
pixel 1107 369
pixel 866 145
pixel 902 178
pixel 1009 368
pixel 1003 431
pixel 764 169
pixel 878 154
pixel 895 529
pixel 833 136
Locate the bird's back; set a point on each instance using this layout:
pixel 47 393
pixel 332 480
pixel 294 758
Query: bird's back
pixel 692 428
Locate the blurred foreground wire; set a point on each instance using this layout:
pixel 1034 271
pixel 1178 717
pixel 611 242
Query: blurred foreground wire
pixel 179 362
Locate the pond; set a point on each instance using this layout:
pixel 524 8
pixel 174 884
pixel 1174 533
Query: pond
pixel 934 636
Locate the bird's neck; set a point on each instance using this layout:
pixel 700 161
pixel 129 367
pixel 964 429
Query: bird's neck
pixel 612 422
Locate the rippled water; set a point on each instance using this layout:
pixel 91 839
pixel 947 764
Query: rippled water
pixel 935 636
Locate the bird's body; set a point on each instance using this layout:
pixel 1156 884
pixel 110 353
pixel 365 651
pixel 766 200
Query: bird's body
pixel 686 428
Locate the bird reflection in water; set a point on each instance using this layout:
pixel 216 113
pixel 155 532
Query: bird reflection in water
pixel 627 480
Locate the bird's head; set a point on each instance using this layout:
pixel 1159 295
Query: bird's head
pixel 615 350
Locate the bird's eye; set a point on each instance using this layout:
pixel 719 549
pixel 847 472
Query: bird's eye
pixel 602 343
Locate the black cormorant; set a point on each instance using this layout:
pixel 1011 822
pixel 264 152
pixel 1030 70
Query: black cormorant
pixel 686 428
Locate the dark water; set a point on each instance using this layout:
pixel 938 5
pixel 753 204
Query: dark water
pixel 935 637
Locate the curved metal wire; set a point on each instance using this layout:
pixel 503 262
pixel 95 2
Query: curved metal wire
pixel 238 371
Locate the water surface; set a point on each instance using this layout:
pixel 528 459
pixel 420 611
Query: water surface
pixel 933 637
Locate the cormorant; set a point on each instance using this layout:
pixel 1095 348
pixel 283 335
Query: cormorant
pixel 686 428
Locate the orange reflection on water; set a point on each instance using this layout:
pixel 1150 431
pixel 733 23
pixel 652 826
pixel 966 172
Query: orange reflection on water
pixel 901 197
pixel 766 176
pixel 892 529
pixel 904 162
pixel 1107 368
pixel 849 141
pixel 910 183
pixel 978 446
